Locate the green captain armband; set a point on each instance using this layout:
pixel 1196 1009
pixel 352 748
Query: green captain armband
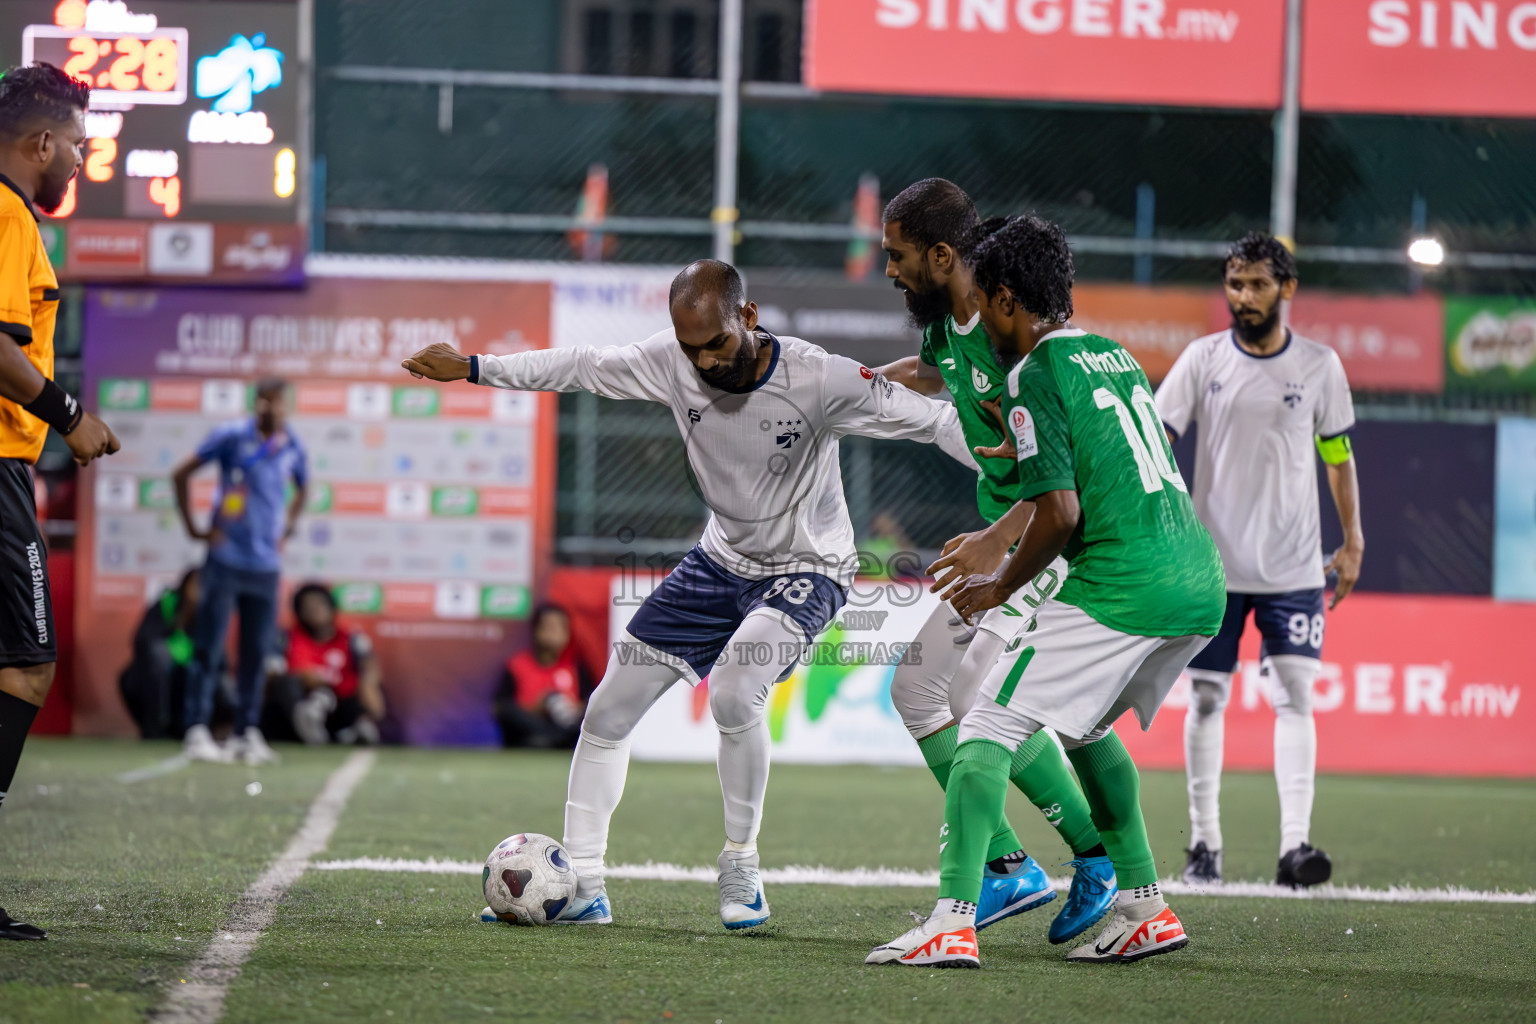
pixel 1335 450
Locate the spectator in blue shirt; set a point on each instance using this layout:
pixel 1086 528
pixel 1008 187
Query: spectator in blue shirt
pixel 253 513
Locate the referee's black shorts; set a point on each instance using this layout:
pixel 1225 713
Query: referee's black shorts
pixel 26 604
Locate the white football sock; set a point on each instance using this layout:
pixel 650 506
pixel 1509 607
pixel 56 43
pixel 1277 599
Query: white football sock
pixel 738 699
pixel 964 908
pixel 743 761
pixel 1295 746
pixel 1140 903
pixel 601 761
pixel 598 770
pixel 1204 739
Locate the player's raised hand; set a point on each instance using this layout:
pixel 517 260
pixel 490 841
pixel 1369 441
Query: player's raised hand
pixel 438 362
pixel 969 553
pixel 1345 562
pixel 976 595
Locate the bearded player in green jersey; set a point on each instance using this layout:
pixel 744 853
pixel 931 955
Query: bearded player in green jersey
pixel 925 229
pixel 1146 592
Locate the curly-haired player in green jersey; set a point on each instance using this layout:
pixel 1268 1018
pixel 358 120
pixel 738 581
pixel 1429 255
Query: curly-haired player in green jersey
pixel 926 233
pixel 1145 593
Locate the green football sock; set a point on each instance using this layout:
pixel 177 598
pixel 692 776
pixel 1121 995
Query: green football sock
pixel 939 752
pixel 973 805
pixel 1113 789
pixel 1042 776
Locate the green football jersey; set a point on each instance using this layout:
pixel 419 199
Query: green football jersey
pixel 973 375
pixel 1081 414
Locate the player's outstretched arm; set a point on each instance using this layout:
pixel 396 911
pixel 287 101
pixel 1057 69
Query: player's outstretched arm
pixel 622 371
pixel 1056 516
pixel 439 362
pixel 915 374
pixel 861 401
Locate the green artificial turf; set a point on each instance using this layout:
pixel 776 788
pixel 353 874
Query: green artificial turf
pixel 166 858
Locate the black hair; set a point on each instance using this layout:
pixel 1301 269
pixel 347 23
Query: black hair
pixel 982 231
pixel 269 386
pixel 545 609
pixel 709 277
pixel 38 92
pixel 306 590
pixel 1030 255
pixel 931 211
pixel 1257 246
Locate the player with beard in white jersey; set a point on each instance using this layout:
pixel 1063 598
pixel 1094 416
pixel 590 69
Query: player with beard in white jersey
pixel 1264 398
pixel 760 417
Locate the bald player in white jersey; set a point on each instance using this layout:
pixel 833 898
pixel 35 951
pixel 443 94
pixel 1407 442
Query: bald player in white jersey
pixel 1265 399
pixel 761 417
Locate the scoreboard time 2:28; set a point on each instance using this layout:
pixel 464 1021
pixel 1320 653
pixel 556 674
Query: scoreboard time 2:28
pixel 193 166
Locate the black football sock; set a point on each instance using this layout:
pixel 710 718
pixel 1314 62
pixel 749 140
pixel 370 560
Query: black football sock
pixel 1097 851
pixel 16 717
pixel 1003 865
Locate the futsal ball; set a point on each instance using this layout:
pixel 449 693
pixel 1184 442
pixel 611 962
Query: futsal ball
pixel 528 879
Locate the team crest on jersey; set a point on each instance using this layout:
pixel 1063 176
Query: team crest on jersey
pixel 1023 426
pixel 981 380
pixel 789 433
pixel 1293 394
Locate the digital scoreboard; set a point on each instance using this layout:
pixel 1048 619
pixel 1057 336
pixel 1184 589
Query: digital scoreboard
pixel 195 164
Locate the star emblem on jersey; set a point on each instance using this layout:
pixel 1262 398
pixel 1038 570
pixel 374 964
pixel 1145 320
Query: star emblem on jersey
pixel 1293 394
pixel 789 433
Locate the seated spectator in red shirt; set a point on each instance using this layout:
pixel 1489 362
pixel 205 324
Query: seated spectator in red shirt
pixel 544 688
pixel 329 688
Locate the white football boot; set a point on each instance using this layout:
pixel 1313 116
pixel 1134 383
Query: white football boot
pixel 1137 931
pixel 742 903
pixel 200 746
pixel 943 940
pixel 252 748
pixel 581 910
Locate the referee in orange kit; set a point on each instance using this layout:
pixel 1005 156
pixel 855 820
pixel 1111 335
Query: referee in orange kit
pixel 42 128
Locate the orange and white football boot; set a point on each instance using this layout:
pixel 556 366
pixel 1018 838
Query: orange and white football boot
pixel 1134 934
pixel 944 940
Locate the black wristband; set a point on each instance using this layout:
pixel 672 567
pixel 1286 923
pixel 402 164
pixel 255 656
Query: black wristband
pixel 56 407
pixel 474 369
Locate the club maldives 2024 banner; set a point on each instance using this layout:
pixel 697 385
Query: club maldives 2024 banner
pixel 429 508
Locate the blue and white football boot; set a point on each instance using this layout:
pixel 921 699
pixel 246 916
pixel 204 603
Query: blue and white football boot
pixel 742 903
pixel 587 910
pixel 593 910
pixel 1006 893
pixel 1092 896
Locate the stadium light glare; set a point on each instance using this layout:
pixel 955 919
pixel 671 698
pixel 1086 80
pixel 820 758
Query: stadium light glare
pixel 1426 252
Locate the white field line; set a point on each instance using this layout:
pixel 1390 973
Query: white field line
pixel 174 763
pixel 199 999
pixel 800 875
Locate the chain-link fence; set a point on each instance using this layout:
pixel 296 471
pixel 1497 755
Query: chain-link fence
pixel 515 152
pixel 481 165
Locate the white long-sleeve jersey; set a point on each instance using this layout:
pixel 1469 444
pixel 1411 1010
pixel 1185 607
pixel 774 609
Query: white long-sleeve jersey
pixel 766 460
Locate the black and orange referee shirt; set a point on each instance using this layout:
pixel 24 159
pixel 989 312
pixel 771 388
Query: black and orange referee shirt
pixel 29 306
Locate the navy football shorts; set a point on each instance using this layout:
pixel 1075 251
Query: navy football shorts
pixel 1290 623
pixel 699 606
